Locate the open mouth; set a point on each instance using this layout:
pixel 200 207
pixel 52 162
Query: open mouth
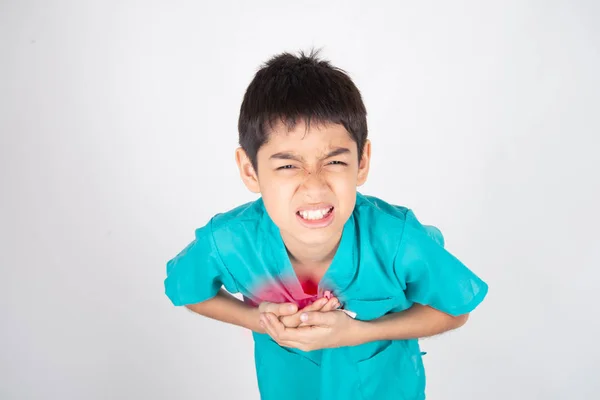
pixel 315 215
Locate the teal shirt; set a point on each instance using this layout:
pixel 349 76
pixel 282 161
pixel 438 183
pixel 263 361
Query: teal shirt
pixel 386 261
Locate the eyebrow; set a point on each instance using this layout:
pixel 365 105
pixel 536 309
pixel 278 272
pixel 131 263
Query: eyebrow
pixel 286 155
pixel 336 152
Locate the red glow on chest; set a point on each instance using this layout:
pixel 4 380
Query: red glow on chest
pixel 276 292
pixel 309 286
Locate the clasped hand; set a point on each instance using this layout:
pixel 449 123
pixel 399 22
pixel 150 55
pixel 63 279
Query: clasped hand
pixel 317 326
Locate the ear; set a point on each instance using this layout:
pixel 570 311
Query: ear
pixel 363 166
pixel 247 172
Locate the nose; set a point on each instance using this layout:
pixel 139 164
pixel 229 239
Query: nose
pixel 314 186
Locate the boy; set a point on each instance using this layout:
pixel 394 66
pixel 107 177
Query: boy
pixel 337 286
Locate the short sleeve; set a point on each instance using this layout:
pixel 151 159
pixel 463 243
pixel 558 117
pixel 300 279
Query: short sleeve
pixel 432 275
pixel 197 273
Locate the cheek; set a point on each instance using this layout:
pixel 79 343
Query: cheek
pixel 273 184
pixel 277 197
pixel 343 184
pixel 344 188
pixel 279 189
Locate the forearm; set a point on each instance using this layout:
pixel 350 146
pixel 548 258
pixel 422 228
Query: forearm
pixel 417 322
pixel 226 308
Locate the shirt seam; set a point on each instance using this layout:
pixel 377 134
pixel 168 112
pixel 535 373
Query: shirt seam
pixel 227 224
pixel 214 242
pixel 367 203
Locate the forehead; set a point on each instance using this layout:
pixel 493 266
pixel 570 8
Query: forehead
pixel 316 140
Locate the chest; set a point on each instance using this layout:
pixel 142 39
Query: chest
pixel 309 276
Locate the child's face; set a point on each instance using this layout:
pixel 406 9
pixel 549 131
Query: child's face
pixel 308 180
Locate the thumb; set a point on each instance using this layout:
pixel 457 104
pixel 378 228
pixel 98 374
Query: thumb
pixel 277 309
pixel 316 318
pixel 286 309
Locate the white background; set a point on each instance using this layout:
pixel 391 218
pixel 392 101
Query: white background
pixel 118 123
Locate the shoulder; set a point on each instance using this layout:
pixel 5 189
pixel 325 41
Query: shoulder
pixel 392 219
pixel 380 225
pixel 377 205
pixel 234 219
pixel 371 209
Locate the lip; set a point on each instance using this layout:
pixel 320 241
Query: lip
pixel 319 223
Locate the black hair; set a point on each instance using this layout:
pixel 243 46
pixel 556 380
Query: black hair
pixel 288 89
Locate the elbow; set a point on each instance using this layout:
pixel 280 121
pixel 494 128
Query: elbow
pixel 460 320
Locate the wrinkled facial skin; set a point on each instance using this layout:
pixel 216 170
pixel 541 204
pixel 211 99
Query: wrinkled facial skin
pixel 308 181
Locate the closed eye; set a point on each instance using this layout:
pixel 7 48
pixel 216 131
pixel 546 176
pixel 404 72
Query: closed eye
pixel 336 162
pixel 286 167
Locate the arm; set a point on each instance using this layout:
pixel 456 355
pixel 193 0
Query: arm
pixel 336 329
pixel 226 308
pixel 417 322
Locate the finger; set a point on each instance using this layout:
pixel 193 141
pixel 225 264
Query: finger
pixel 318 318
pixel 316 306
pixel 331 305
pixel 278 329
pixel 293 321
pixel 281 334
pixel 278 309
pixel 264 322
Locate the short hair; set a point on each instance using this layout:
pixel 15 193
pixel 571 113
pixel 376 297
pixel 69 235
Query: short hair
pixel 288 89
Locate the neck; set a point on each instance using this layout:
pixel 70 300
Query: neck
pixel 307 254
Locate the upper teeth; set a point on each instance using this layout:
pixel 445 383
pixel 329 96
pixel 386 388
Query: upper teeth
pixel 314 214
